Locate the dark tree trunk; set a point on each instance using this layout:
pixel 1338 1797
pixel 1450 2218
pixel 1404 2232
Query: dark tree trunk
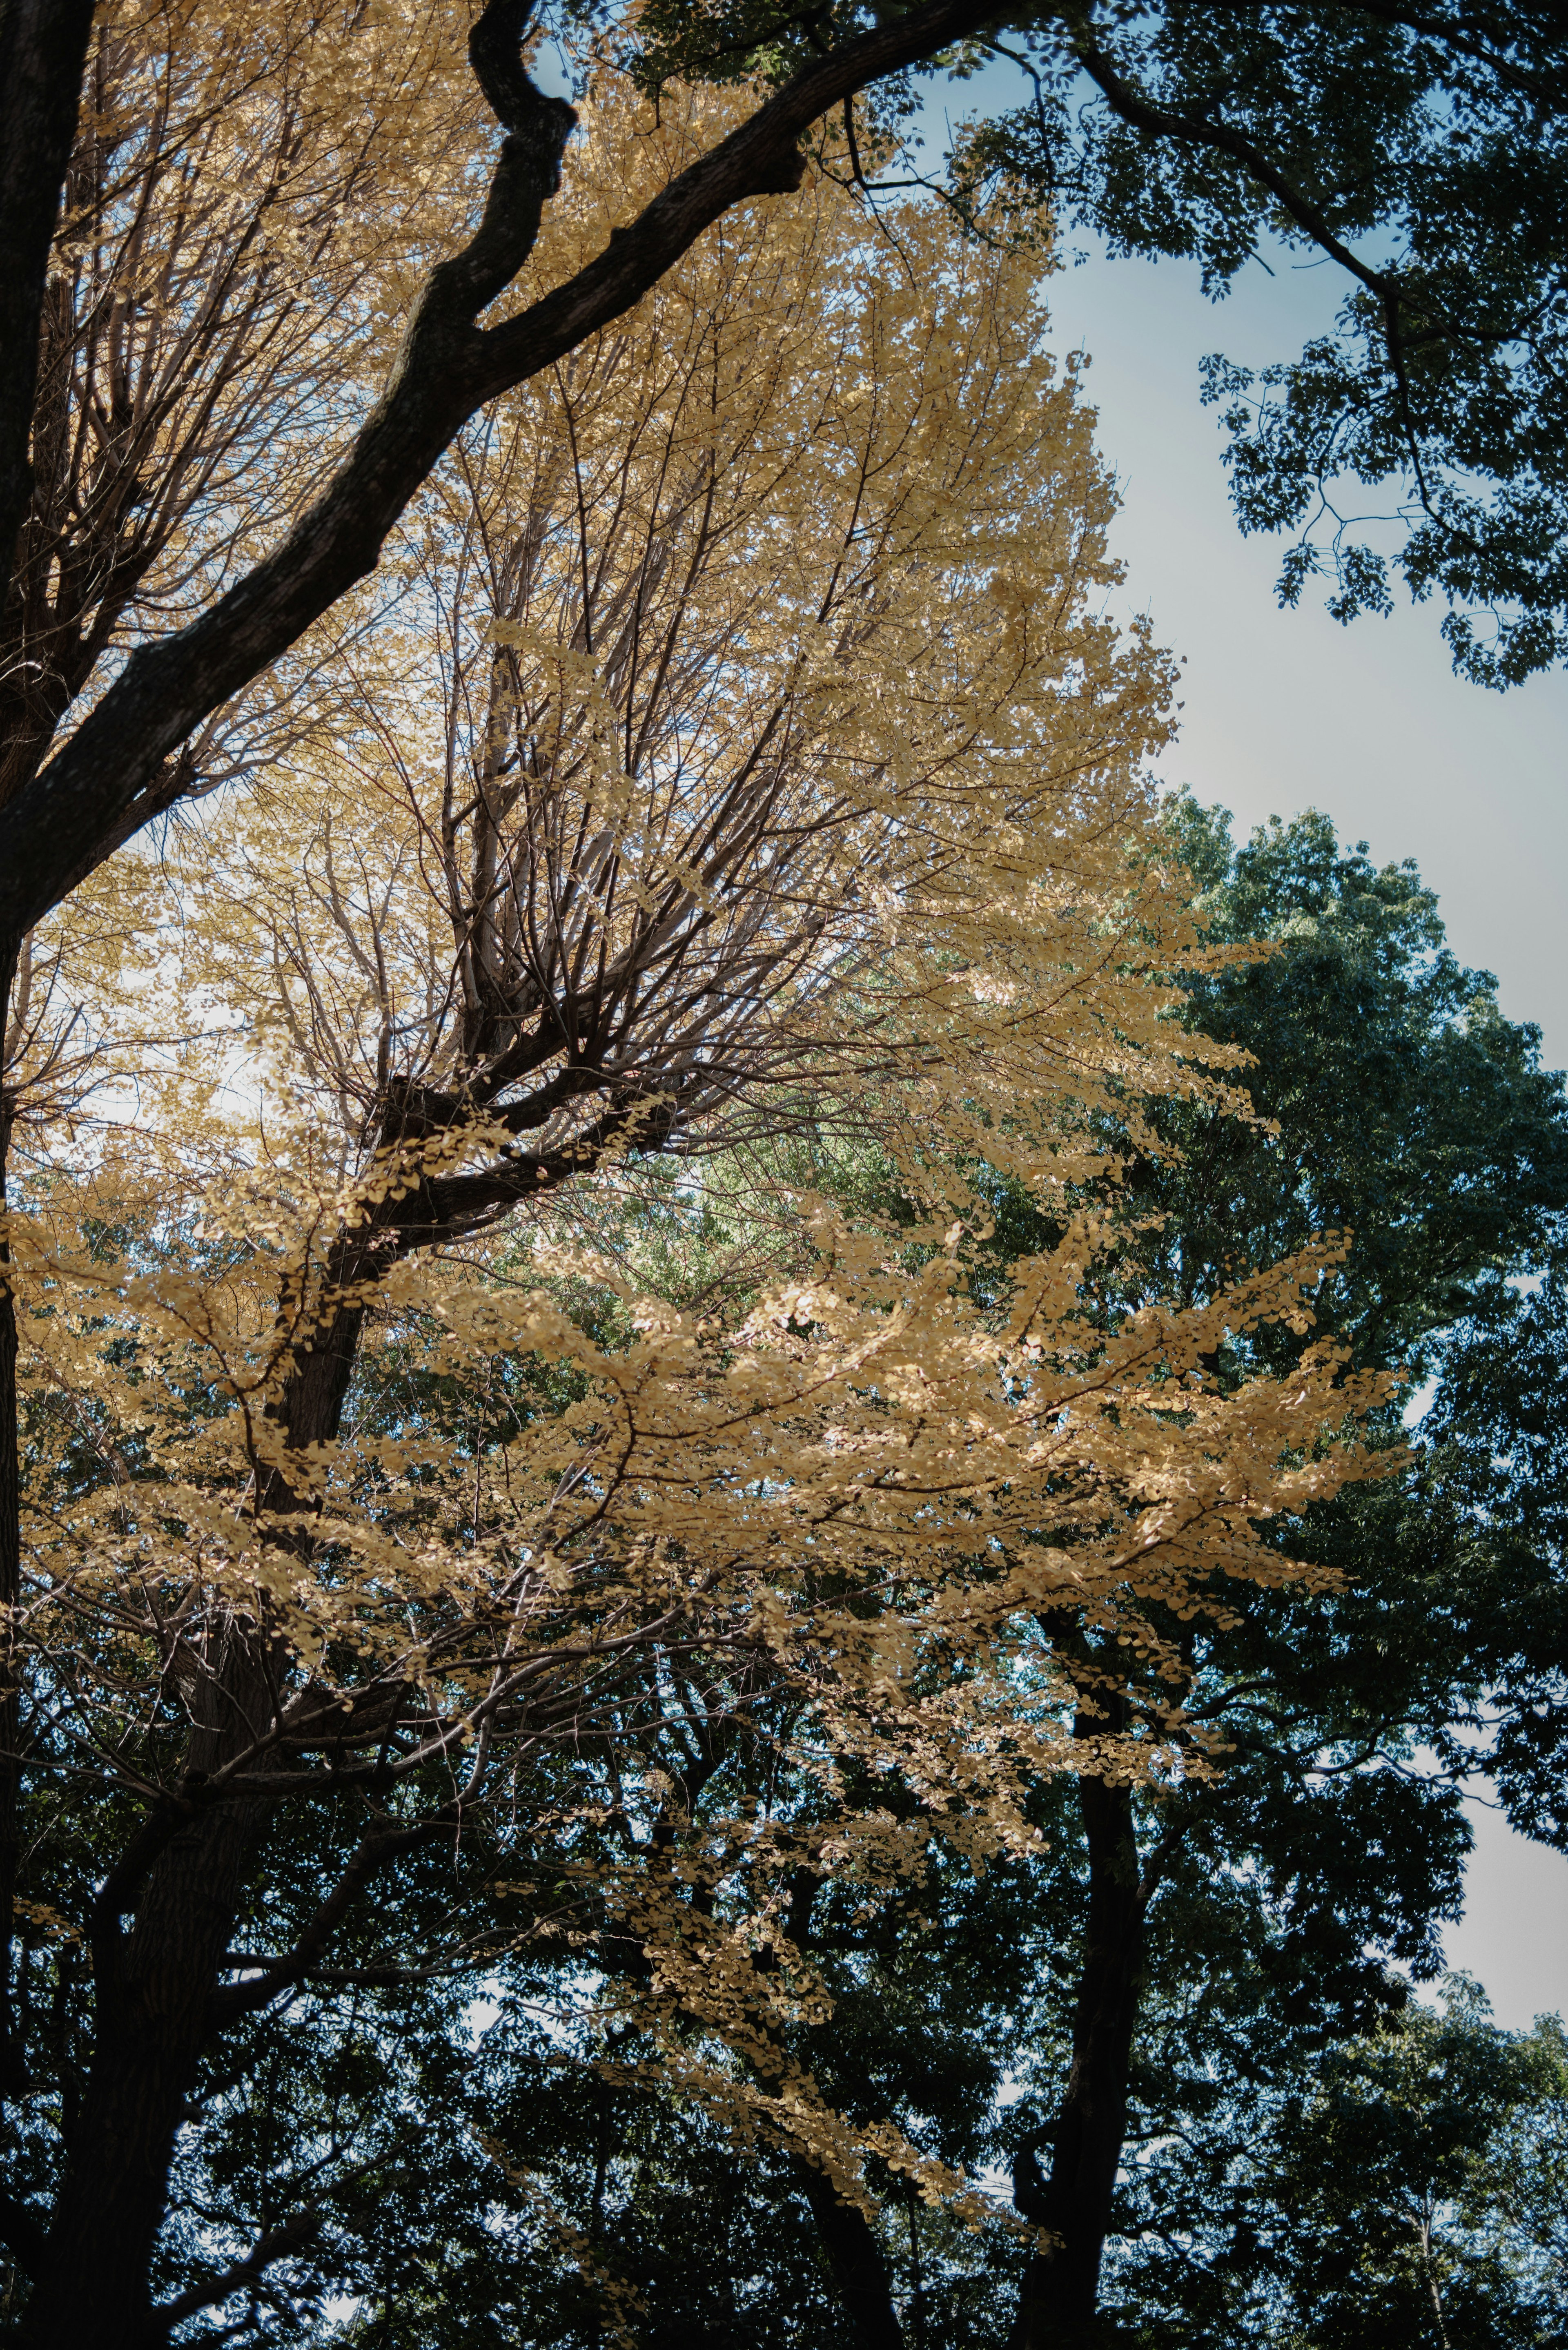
pixel 1060 2291
pixel 856 2258
pixel 156 2002
pixel 12 2063
pixel 151 2026
pixel 43 51
pixel 859 2267
pixel 154 1988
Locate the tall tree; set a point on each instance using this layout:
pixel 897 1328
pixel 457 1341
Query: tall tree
pixel 1404 2183
pixel 1406 1109
pixel 777 773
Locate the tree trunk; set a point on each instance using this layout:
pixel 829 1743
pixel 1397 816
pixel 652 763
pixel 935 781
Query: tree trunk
pixel 859 2268
pixel 151 2026
pixel 154 1988
pixel 12 2066
pixel 43 50
pixel 1060 2291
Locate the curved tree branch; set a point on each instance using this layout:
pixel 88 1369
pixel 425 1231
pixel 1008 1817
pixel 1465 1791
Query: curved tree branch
pixel 64 822
pixel 275 2245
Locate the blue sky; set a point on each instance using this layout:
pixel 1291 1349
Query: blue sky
pixel 1289 710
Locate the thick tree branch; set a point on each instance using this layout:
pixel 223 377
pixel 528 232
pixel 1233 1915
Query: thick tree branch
pixel 55 832
pixel 121 1888
pixel 275 2245
pixel 232 2001
pixel 1199 131
pixel 1202 132
pixel 858 2262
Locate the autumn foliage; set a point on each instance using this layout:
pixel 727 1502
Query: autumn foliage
pixel 501 1196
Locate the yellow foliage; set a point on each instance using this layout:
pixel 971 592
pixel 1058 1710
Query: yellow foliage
pixel 734 767
pixel 749 743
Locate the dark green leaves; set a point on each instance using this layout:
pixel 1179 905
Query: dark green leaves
pixel 1423 151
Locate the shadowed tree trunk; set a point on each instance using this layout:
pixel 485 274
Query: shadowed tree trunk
pixel 43 47
pixel 1058 2297
pixel 154 1990
pixel 11 2060
pixel 159 1992
pixel 157 1989
pixel 859 2265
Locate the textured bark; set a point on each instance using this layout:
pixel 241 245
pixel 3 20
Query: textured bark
pixel 151 2026
pixel 859 2266
pixel 43 49
pixel 11 2057
pixel 1061 2284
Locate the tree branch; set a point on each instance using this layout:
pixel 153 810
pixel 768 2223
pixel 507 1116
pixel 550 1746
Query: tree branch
pixel 233 2001
pixel 273 2246
pixel 1195 131
pixel 54 831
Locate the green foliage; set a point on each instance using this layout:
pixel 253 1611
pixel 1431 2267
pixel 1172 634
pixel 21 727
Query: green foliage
pixel 1419 150
pixel 1406 2187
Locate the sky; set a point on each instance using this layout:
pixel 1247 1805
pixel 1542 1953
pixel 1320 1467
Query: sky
pixel 1284 711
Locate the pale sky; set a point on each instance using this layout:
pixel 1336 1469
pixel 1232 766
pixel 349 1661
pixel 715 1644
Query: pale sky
pixel 1288 710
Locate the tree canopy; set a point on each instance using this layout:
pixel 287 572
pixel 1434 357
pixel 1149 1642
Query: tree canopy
pixel 1417 149
pixel 732 772
pixel 702 1500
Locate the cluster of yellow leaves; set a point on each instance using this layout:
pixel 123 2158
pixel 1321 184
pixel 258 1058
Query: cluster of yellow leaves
pixel 842 1527
pixel 750 733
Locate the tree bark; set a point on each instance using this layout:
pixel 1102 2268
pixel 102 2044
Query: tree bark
pixel 1059 2292
pixel 153 1992
pixel 43 50
pixel 158 2000
pixel 155 1988
pixel 12 2066
pixel 859 2267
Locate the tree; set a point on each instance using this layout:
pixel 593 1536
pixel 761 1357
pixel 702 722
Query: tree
pixel 1446 370
pixel 1253 1921
pixel 178 333
pixel 1406 1109
pixel 781 782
